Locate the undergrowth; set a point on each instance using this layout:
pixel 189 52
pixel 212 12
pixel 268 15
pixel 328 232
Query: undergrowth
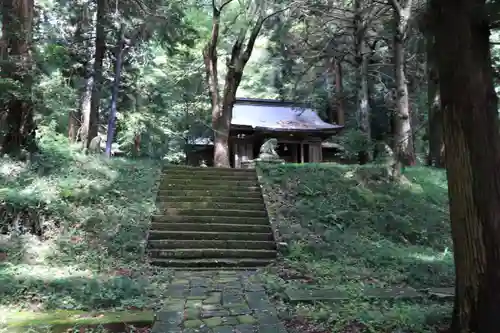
pixel 348 228
pixel 73 232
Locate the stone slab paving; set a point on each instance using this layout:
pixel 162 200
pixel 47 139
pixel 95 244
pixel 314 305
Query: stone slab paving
pixel 305 295
pixel 217 302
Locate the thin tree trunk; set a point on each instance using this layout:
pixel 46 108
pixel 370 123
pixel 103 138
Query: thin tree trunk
pixel 84 24
pixel 363 102
pixel 17 125
pixel 91 119
pixel 435 122
pixel 404 150
pixel 472 140
pixel 339 92
pixel 120 48
pixel 84 107
pixel 435 116
pixel 363 110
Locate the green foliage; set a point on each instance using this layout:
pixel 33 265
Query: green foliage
pixel 92 214
pixel 349 228
pixel 353 141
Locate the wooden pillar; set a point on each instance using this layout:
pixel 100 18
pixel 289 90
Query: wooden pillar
pixel 301 152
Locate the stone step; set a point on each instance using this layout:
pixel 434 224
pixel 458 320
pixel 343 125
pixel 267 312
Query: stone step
pixel 217 187
pixel 211 176
pixel 207 171
pixel 204 192
pixel 214 269
pixel 211 263
pixel 211 253
pixel 212 212
pixel 212 205
pixel 209 235
pixel 210 219
pixel 204 244
pixel 211 227
pixel 208 182
pixel 206 199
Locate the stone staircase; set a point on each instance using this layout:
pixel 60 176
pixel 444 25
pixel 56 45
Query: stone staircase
pixel 210 218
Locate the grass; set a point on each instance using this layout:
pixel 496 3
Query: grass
pixel 62 318
pixel 350 229
pixel 88 217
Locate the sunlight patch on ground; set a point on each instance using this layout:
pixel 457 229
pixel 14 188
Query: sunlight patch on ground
pixel 45 273
pixel 41 188
pixel 446 254
pixel 11 170
pixel 349 174
pixel 27 249
pixel 416 188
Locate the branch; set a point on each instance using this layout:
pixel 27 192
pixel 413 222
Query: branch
pixel 227 2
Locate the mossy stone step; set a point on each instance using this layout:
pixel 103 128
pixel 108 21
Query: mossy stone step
pixel 210 219
pixel 213 269
pixel 203 192
pixel 204 244
pixel 208 182
pixel 206 199
pixel 211 253
pixel 219 171
pixel 63 320
pixel 209 235
pixel 211 227
pixel 210 176
pixel 212 212
pixel 212 205
pixel 216 187
pixel 211 263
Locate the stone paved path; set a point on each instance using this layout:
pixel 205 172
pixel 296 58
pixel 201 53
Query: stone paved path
pixel 217 302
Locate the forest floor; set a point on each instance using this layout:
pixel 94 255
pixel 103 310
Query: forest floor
pixel 94 214
pixel 349 230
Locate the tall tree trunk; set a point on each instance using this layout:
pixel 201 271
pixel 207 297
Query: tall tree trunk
pixel 83 108
pixel 403 146
pixel 17 128
pixel 363 110
pixel 435 121
pixel 472 140
pixel 120 48
pixel 335 91
pixel 91 119
pixel 339 92
pixel 222 106
pixel 84 23
pixel 210 58
pixel 435 116
pixel 363 101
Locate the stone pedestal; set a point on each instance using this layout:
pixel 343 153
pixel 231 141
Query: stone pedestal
pixel 250 164
pixel 269 161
